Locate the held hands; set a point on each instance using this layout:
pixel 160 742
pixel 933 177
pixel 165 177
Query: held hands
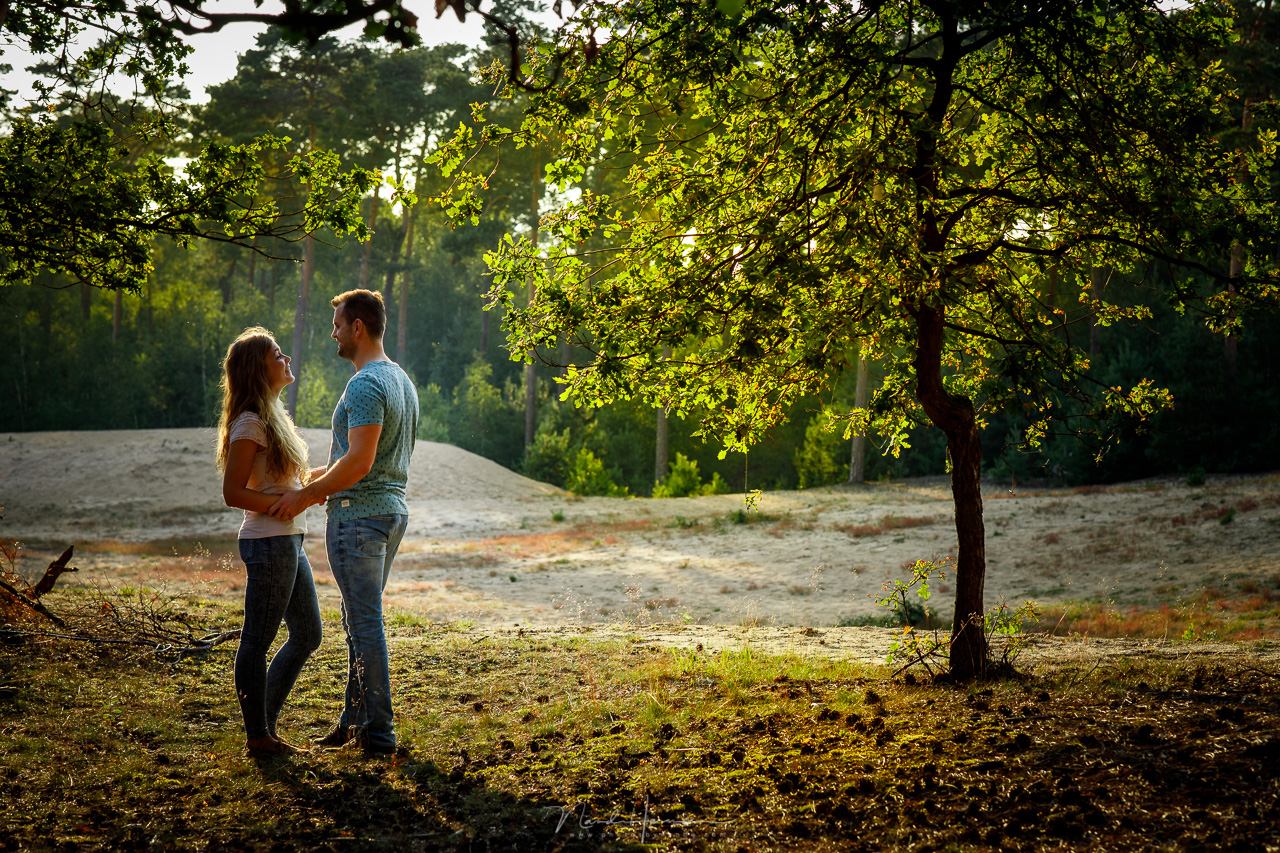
pixel 292 503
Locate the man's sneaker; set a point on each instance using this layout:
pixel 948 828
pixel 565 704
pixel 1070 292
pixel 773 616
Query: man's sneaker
pixel 337 737
pixel 358 739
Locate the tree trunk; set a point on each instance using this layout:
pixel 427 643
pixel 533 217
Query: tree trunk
pixel 86 300
pixel 228 284
pixel 955 416
pixel 402 327
pixel 368 245
pixel 530 403
pixel 253 268
pixel 858 453
pixel 661 445
pixel 22 387
pixel 1097 282
pixel 1231 345
pixel 117 309
pixel 660 449
pixel 300 308
pixel 394 265
pixel 566 356
pixel 530 372
pixel 300 322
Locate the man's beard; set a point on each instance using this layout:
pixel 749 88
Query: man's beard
pixel 346 350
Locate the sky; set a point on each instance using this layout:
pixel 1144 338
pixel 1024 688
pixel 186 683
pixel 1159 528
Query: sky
pixel 214 60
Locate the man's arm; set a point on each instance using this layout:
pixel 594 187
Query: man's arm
pixel 343 474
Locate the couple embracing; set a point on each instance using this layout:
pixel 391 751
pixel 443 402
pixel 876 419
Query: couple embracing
pixel 266 473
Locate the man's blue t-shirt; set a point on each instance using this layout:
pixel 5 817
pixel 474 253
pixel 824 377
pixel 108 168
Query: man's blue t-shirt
pixel 380 393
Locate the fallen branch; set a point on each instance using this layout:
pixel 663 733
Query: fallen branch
pixel 51 574
pixel 203 644
pixel 32 604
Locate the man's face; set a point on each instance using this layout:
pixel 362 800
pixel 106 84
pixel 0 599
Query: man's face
pixel 344 334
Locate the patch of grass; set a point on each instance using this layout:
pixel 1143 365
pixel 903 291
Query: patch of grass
pixel 582 745
pixel 744 516
pixel 886 523
pixel 1251 611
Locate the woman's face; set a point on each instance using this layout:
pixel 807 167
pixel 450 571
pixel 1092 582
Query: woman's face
pixel 278 372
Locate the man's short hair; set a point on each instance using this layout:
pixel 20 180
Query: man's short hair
pixel 365 306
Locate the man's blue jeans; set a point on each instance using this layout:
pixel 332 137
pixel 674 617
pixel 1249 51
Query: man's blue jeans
pixel 360 555
pixel 279 586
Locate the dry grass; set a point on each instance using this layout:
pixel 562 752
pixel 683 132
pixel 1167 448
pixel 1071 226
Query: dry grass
pixel 886 524
pixel 1249 611
pixel 574 745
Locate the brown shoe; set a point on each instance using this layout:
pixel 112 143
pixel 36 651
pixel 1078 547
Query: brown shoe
pixel 269 747
pixel 336 738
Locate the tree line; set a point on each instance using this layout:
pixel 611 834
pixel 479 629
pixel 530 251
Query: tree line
pixel 97 358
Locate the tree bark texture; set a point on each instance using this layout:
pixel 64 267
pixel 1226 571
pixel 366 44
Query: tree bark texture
pixel 955 416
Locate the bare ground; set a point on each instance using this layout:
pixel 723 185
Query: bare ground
pixel 504 553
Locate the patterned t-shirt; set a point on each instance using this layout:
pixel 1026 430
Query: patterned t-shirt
pixel 380 393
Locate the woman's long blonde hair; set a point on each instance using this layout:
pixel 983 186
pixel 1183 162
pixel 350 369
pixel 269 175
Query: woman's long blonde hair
pixel 245 388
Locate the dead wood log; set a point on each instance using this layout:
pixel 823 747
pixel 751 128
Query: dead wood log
pixel 32 604
pixel 51 574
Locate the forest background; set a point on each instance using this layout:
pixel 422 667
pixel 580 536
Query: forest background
pixel 84 358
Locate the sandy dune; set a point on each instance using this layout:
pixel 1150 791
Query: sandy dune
pixel 490 546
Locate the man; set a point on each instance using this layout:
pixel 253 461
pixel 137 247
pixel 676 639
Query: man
pixel 374 426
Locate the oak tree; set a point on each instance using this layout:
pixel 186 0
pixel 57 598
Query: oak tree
pixel 899 178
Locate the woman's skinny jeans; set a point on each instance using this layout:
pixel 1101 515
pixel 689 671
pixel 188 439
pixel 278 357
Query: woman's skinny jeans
pixel 280 586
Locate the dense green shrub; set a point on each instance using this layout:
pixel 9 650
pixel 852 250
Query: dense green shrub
pixel 590 477
pixel 684 481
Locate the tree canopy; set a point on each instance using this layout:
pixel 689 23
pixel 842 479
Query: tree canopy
pixel 937 184
pixel 86 185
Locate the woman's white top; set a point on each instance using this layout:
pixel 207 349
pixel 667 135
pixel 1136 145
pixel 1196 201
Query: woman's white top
pixel 259 525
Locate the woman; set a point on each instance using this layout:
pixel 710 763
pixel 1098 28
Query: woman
pixel 261 454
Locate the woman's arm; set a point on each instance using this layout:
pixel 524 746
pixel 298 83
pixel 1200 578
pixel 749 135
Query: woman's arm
pixel 235 478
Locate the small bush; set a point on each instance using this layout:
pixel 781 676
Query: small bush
pixel 683 481
pixel 434 413
pixel 1195 477
pixel 548 458
pixel 590 477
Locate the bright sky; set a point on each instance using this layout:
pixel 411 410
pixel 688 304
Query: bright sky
pixel 214 60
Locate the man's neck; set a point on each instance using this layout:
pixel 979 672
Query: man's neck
pixel 370 352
